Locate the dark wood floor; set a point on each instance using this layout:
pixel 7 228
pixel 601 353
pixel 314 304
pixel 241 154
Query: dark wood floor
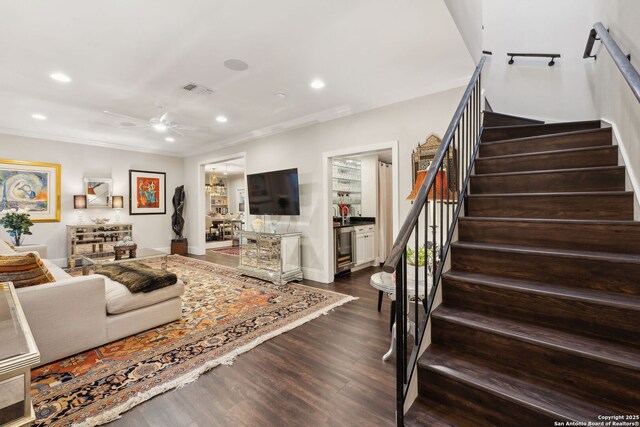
pixel 327 372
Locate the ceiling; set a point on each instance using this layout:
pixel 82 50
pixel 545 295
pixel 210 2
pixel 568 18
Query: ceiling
pixel 127 57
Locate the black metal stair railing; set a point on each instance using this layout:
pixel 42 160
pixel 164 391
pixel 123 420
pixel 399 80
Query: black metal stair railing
pixel 437 205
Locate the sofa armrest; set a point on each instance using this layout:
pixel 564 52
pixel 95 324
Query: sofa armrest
pixel 66 317
pixel 41 249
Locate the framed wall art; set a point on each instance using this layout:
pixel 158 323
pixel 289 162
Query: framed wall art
pixel 147 193
pixel 31 185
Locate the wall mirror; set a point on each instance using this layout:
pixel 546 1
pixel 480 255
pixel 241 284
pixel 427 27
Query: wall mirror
pixel 98 192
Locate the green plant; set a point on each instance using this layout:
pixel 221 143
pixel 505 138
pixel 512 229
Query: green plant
pixel 17 223
pixel 424 253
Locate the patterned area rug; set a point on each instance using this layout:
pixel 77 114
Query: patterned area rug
pixel 224 315
pixel 230 250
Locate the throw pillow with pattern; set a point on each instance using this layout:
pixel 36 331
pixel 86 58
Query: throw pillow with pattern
pixel 24 270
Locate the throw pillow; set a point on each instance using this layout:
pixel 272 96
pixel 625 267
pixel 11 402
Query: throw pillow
pixel 24 270
pixel 6 248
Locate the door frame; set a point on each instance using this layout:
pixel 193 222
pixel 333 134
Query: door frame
pixel 329 256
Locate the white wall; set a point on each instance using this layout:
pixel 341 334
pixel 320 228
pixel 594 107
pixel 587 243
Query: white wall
pixel 369 176
pixel 235 182
pixel 614 98
pixel 84 161
pixel 467 14
pixel 409 122
pixel 530 87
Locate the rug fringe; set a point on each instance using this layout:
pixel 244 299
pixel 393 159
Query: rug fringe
pixel 227 359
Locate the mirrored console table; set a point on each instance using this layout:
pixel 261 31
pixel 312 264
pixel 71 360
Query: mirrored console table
pixel 273 257
pixel 18 353
pixel 94 239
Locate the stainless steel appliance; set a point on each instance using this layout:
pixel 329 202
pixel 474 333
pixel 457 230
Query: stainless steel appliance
pixel 345 248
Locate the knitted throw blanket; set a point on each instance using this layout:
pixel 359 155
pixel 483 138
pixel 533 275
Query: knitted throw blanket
pixel 138 277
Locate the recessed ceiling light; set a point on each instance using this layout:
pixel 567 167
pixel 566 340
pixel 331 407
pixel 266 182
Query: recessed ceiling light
pixel 160 127
pixel 317 84
pixel 222 119
pixel 236 64
pixel 39 116
pixel 60 77
pixel 170 139
pixel 281 95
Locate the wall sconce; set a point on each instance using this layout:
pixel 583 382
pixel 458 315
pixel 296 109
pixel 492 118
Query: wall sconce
pixel 117 203
pixel 80 203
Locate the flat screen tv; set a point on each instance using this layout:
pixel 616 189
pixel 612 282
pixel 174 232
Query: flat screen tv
pixel 274 193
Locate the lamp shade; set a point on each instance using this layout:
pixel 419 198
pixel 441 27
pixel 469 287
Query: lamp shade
pixel 117 202
pixel 80 201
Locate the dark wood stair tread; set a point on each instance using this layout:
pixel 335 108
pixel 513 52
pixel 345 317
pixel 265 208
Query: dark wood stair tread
pixel 564 253
pixel 580 346
pixel 626 302
pixel 426 412
pixel 509 132
pixel 494 119
pixel 543 137
pixel 465 370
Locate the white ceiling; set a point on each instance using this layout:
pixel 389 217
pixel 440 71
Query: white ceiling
pixel 128 56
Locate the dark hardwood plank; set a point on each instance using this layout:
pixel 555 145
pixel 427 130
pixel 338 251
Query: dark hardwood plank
pixel 522 131
pixel 327 372
pixel 493 119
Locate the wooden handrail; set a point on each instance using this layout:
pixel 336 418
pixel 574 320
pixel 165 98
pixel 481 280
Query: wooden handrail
pixel 629 73
pixel 414 214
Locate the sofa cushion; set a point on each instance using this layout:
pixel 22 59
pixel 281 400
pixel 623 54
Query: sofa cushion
pixel 121 300
pixel 6 248
pixel 24 269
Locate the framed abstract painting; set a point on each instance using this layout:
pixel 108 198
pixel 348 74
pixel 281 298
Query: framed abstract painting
pixel 147 193
pixel 31 185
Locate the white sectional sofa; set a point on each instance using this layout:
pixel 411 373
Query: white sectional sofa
pixel 74 314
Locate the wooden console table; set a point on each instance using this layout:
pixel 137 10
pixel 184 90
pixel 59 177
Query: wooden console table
pixel 95 239
pixel 18 353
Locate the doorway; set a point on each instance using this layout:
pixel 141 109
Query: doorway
pixel 224 205
pixel 361 200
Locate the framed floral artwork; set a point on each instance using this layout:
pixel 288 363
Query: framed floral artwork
pixel 147 192
pixel 31 185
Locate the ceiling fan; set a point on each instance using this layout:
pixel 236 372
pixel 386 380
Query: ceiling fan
pixel 162 122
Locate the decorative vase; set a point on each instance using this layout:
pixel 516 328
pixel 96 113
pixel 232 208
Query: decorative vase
pixel 17 239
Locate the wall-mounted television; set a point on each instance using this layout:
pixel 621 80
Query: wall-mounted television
pixel 274 193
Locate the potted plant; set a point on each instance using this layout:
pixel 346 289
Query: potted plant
pixel 425 255
pixel 17 223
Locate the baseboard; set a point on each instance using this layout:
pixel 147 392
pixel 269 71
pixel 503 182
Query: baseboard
pixel 633 180
pixel 315 275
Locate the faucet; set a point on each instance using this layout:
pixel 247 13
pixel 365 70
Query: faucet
pixel 344 216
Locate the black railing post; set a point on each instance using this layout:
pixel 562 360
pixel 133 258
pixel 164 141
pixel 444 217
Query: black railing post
pixel 399 324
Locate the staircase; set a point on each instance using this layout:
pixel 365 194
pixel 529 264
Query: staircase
pixel 540 320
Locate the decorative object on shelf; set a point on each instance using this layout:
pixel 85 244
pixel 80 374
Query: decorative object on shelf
pixel 126 241
pixel 31 185
pixel 80 203
pixel 98 192
pixel 117 203
pixel 100 221
pixel 179 245
pixel 257 225
pixel 17 222
pixel 147 192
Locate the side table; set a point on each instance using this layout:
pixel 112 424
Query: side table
pixel 18 353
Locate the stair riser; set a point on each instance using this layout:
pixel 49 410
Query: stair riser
pixel 565 206
pixel 606 156
pixel 607 275
pixel 585 318
pixel 550 182
pixel 497 134
pixel 492 119
pixel 590 237
pixel 481 407
pixel 548 143
pixel 555 368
